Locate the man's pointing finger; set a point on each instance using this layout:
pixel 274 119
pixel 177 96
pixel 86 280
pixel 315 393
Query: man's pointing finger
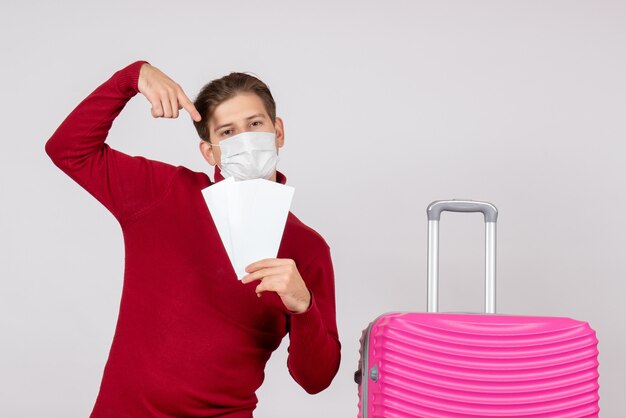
pixel 189 107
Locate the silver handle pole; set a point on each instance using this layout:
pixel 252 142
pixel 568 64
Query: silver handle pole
pixel 490 267
pixel 433 267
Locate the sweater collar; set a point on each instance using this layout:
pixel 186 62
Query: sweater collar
pixel 280 177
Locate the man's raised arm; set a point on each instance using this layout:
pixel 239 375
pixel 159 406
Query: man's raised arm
pixel 123 184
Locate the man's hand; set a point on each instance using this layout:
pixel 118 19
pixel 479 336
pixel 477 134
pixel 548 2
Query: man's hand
pixel 164 94
pixel 280 275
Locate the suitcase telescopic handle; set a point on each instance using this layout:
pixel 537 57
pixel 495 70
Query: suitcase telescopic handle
pixel 490 214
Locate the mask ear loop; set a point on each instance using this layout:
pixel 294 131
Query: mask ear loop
pixel 215 145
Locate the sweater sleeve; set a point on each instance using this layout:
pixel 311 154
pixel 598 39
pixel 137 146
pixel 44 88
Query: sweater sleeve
pixel 314 347
pixel 124 184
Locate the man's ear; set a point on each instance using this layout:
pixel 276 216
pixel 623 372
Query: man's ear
pixel 207 152
pixel 280 132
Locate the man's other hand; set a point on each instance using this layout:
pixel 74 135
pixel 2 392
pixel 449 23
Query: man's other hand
pixel 280 275
pixel 164 94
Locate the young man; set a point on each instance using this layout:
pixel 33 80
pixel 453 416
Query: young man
pixel 191 340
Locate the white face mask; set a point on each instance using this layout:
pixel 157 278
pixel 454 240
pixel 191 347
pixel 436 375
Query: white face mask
pixel 249 155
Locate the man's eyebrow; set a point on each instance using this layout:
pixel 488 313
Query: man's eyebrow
pixel 230 123
pixel 222 126
pixel 255 116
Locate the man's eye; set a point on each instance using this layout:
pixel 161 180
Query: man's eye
pixel 226 132
pixel 257 123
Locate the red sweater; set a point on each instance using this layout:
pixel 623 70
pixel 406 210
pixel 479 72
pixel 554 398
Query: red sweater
pixel 191 340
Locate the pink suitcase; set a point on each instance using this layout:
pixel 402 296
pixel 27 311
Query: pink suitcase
pixel 475 365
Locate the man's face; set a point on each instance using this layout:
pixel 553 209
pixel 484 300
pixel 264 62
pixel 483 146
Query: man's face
pixel 241 113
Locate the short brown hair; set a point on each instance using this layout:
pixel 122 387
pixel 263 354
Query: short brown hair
pixel 222 89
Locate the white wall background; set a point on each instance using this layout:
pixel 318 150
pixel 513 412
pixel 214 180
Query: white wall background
pixel 388 106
